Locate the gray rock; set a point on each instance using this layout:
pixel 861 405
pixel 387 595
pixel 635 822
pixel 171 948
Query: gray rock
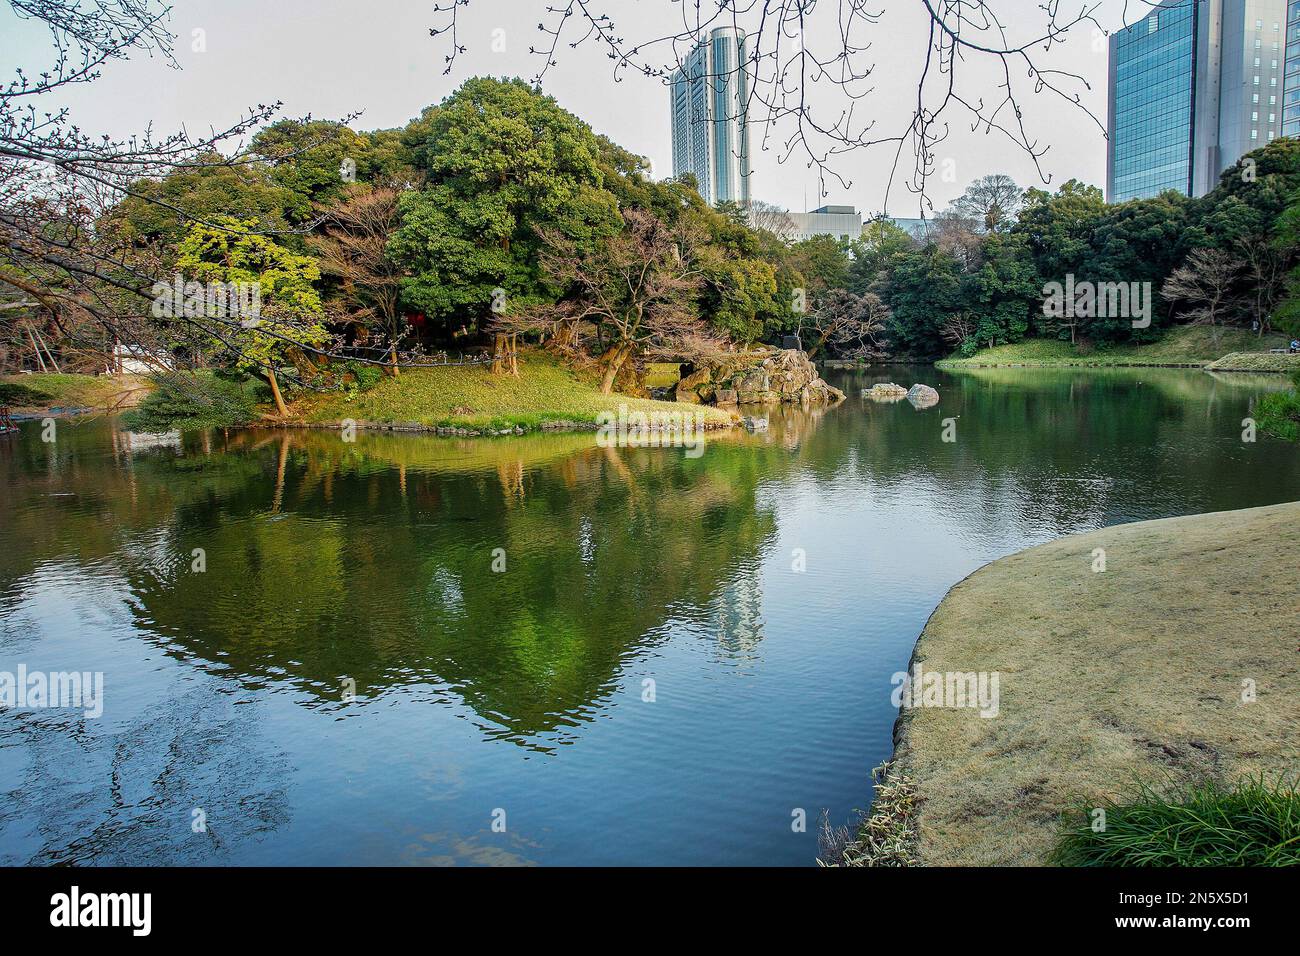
pixel 922 396
pixel 885 392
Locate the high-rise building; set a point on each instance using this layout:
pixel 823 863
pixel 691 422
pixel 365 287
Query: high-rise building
pixel 1193 86
pixel 1291 72
pixel 710 100
pixel 842 222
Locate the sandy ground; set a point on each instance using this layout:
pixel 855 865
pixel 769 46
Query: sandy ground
pixel 1143 672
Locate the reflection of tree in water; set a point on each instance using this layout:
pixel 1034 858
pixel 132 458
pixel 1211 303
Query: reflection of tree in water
pixel 129 795
pixel 366 562
pixel 373 560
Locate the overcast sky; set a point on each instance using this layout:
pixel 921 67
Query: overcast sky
pixel 332 57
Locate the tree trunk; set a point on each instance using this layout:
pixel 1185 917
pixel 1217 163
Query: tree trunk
pixel 498 353
pixel 392 367
pixel 615 358
pixel 275 392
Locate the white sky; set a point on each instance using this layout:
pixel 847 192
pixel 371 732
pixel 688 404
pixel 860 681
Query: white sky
pixel 330 58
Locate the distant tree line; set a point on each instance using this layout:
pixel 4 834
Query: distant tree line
pixel 978 277
pixel 496 217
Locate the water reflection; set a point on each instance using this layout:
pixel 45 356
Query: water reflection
pixel 371 564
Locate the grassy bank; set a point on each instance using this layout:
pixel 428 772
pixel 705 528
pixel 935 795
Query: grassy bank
pixel 1255 362
pixel 41 391
pixel 1175 668
pixel 1190 345
pixel 471 397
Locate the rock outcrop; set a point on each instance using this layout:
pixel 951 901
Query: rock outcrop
pixel 922 396
pixel 781 376
pixel 886 392
pixel 697 387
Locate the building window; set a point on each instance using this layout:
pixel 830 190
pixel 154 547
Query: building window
pixel 1272 100
pixel 1254 134
pixel 1271 118
pixel 1274 65
pixel 1257 80
pixel 1272 81
pixel 1254 117
pixel 1254 97
pixel 1153 23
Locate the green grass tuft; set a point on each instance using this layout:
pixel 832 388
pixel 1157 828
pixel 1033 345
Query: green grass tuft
pixel 1279 413
pixel 1251 823
pixel 472 397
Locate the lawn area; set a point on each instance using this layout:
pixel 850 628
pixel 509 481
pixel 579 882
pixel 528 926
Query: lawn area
pixel 1182 345
pixel 1173 668
pixel 472 397
pixel 1256 362
pixel 43 390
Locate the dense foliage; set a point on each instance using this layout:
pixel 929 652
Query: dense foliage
pixel 457 227
pixel 194 400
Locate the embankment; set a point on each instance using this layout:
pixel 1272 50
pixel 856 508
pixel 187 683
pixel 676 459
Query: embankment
pixel 1178 663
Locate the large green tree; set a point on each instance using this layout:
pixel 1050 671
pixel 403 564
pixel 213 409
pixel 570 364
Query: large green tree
pixel 290 315
pixel 504 162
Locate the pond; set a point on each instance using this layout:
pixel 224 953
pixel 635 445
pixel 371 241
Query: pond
pixel 533 650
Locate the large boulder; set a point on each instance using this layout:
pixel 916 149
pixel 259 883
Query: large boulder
pixel 886 392
pixel 696 387
pixel 786 375
pixel 922 396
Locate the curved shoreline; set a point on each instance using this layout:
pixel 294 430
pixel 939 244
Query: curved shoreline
pixel 1179 663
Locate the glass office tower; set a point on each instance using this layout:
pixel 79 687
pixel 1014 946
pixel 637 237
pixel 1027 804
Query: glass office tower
pixel 710 98
pixel 1193 86
pixel 1151 75
pixel 1291 84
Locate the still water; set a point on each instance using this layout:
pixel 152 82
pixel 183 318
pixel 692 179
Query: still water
pixel 650 679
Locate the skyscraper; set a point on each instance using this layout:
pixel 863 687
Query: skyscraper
pixel 1291 72
pixel 710 99
pixel 1193 86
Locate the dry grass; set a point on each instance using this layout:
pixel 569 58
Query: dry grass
pixel 66 390
pixel 1108 680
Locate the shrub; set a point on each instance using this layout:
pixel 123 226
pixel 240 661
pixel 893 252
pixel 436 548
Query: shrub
pixel 365 375
pixel 1252 823
pixel 1278 414
pixel 194 400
